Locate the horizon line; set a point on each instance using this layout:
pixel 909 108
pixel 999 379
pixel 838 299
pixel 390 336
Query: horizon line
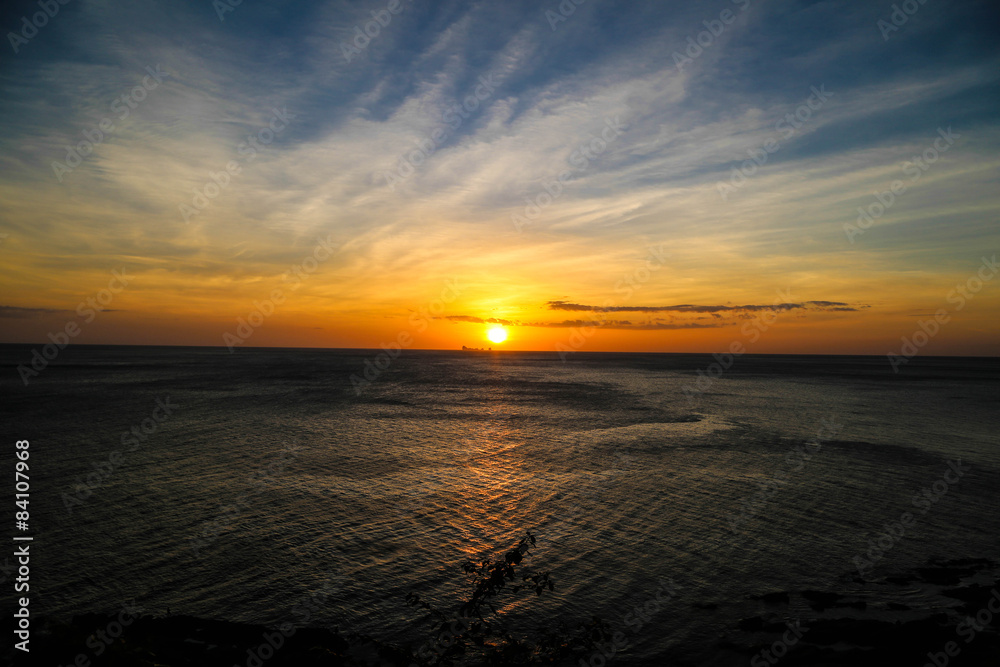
pixel 451 349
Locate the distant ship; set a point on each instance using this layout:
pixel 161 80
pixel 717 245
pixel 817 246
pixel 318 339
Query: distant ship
pixel 476 349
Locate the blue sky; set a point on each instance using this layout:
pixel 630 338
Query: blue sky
pixel 554 87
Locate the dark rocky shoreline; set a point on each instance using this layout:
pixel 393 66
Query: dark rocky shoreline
pixel 182 641
pixel 834 628
pixel 848 628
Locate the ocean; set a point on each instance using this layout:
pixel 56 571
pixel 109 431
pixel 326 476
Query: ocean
pixel 234 486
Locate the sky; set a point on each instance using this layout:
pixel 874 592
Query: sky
pixel 789 177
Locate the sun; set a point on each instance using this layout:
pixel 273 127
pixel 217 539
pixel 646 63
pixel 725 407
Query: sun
pixel 497 335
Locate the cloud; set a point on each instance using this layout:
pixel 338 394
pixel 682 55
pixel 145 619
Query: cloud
pixel 624 325
pixel 722 316
pixel 553 91
pixel 605 324
pixel 688 308
pixel 19 312
pixel 477 320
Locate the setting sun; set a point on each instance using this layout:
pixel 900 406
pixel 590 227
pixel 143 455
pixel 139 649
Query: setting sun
pixel 497 335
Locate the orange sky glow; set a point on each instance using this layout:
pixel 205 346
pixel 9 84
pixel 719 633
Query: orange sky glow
pixel 435 185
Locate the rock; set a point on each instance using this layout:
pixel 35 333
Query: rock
pixel 820 600
pixel 774 597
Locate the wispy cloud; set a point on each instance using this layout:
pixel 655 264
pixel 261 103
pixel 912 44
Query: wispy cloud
pixel 552 93
pixel 478 320
pixel 19 312
pixel 689 308
pixel 625 325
